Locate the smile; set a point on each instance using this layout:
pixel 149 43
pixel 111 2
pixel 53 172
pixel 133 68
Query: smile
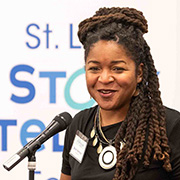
pixel 105 92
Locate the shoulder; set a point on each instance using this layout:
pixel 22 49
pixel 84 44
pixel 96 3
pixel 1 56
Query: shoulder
pixel 173 134
pixel 172 120
pixel 172 114
pixel 84 115
pixel 82 119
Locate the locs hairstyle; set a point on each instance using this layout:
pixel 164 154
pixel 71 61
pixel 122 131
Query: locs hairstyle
pixel 144 128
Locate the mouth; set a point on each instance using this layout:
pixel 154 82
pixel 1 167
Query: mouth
pixel 106 92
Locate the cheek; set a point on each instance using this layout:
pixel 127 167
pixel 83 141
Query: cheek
pixel 127 81
pixel 89 80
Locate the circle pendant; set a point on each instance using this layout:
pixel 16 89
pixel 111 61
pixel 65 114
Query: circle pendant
pixel 107 157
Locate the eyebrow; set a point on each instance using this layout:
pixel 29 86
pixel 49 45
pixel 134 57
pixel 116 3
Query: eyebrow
pixel 118 61
pixel 112 62
pixel 93 61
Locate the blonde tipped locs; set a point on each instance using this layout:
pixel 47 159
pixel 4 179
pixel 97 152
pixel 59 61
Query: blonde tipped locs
pixel 144 128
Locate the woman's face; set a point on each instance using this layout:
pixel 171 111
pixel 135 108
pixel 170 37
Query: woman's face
pixel 111 75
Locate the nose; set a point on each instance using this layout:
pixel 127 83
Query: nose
pixel 105 77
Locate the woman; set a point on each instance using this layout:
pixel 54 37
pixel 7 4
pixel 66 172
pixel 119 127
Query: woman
pixel 130 116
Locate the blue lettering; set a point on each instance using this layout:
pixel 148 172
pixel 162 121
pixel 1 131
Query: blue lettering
pixel 22 84
pixel 37 172
pixel 32 35
pixel 47 31
pixel 25 134
pixel 71 38
pixel 4 124
pixel 67 95
pixel 52 77
pixel 56 146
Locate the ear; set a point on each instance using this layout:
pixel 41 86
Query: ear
pixel 140 73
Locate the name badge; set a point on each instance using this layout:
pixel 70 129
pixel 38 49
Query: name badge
pixel 79 146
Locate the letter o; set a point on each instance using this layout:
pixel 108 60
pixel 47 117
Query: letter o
pixel 67 93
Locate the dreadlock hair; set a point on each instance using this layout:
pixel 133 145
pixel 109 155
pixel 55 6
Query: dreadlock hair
pixel 144 128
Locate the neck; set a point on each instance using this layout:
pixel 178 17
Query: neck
pixel 109 117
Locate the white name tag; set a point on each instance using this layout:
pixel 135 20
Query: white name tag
pixel 79 146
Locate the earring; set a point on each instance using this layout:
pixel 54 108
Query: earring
pixel 136 93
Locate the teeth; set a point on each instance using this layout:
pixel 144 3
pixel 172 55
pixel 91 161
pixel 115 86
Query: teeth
pixel 105 92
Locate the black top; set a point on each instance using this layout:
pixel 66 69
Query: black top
pixel 89 169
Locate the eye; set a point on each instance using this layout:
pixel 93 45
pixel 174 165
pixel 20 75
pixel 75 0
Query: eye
pixel 94 69
pixel 118 69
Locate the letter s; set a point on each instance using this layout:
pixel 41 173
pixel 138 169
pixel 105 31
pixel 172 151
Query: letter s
pixel 22 84
pixel 32 35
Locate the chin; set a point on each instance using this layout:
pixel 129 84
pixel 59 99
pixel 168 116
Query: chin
pixel 107 107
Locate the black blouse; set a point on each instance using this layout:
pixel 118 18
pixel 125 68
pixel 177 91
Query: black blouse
pixel 89 169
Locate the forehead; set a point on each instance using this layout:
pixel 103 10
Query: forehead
pixel 107 50
pixel 102 46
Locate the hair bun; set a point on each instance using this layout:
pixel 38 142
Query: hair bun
pixel 128 16
pixel 132 16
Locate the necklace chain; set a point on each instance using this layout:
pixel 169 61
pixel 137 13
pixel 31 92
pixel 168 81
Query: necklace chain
pixel 97 133
pixel 111 141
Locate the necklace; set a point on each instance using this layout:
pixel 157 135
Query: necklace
pixel 107 155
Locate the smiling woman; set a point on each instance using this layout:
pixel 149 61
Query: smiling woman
pixel 129 134
pixel 111 78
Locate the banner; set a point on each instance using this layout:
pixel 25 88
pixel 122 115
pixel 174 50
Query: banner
pixel 42 70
